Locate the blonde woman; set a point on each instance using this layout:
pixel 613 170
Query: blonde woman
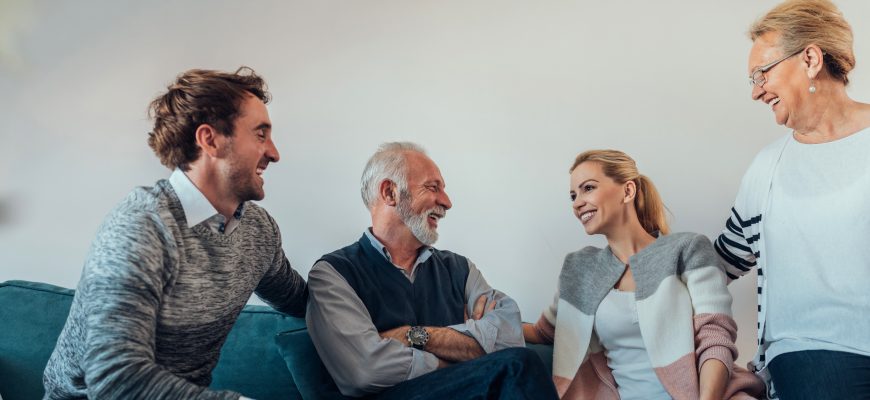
pixel 647 317
pixel 802 215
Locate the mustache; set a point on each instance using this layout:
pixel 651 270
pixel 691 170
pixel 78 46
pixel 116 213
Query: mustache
pixel 441 212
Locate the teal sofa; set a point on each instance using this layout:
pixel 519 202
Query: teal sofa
pixel 267 355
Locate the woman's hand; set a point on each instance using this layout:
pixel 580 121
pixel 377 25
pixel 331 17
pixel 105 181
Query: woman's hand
pixel 531 334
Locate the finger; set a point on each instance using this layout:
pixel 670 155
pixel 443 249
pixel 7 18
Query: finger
pixel 465 312
pixel 479 306
pixel 491 306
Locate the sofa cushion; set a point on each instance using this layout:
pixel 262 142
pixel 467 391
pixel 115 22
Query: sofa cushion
pixel 545 351
pixel 33 314
pixel 309 373
pixel 250 363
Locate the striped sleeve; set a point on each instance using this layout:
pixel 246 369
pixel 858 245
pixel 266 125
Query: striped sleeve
pixel 734 245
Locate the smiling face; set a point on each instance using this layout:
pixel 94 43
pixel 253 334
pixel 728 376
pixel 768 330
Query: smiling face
pixel 250 151
pixel 785 88
pixel 425 201
pixel 598 201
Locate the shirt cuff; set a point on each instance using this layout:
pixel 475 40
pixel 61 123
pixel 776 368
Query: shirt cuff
pixel 482 331
pixel 422 362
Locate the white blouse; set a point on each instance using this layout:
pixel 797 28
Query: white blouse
pixel 618 330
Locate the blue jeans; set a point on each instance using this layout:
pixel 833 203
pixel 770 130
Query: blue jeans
pixel 516 373
pixel 821 374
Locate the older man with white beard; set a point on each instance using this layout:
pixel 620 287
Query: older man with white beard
pixel 393 317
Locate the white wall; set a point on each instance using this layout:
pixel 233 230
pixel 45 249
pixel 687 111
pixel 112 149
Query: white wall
pixel 502 93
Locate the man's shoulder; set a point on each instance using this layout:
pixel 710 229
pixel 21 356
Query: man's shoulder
pixel 344 257
pixel 349 251
pixel 258 217
pixel 448 254
pixel 142 204
pixel 145 217
pixel 452 258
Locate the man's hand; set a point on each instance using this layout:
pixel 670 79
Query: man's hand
pixel 480 308
pixel 400 334
pixel 447 344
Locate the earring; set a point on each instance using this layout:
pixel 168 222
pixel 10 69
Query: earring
pixel 812 86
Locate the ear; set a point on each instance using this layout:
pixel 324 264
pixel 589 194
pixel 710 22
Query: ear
pixel 210 141
pixel 813 58
pixel 629 191
pixel 388 193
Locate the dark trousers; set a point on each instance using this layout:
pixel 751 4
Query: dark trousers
pixel 516 373
pixel 821 374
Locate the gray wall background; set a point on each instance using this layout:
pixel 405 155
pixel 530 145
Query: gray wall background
pixel 503 94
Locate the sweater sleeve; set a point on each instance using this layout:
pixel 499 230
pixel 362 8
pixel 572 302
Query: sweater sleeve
pixel 130 264
pixel 282 287
pixel 546 325
pixel 715 329
pixel 733 249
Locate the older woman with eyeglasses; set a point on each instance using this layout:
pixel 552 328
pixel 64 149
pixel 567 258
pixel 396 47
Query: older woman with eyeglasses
pixel 802 215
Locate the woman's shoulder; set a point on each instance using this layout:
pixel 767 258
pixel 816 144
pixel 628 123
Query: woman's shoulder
pixel 585 254
pixel 684 238
pixel 768 154
pixel 692 246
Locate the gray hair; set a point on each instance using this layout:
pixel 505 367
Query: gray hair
pixel 388 163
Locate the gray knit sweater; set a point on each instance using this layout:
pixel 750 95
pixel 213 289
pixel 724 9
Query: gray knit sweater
pixel 157 299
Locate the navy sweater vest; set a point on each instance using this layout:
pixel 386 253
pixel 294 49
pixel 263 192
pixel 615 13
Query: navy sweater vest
pixel 436 298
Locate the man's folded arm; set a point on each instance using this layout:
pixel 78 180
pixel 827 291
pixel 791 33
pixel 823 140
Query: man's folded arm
pixel 500 327
pixel 360 361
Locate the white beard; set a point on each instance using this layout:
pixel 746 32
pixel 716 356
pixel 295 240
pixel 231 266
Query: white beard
pixel 418 223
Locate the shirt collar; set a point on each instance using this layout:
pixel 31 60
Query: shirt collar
pixel 422 255
pixel 197 208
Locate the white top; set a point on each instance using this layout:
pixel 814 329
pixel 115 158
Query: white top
pixel 618 331
pixel 197 209
pixel 818 247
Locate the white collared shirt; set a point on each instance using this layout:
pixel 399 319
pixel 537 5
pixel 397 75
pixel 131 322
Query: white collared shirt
pixel 197 209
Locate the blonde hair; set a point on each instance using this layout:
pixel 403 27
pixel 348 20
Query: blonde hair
pixel 801 23
pixel 621 168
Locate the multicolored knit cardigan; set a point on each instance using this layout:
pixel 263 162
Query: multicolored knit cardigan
pixel 684 313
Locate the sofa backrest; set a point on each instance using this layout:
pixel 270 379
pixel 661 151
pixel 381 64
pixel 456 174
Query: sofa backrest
pixel 33 314
pixel 31 318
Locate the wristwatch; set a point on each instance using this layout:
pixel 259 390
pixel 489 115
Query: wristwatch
pixel 418 336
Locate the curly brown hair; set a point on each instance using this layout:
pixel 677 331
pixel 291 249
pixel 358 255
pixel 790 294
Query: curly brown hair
pixel 198 97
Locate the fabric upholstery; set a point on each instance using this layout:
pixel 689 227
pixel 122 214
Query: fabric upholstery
pixel 32 315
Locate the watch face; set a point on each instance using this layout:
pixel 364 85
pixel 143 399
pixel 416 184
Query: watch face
pixel 418 336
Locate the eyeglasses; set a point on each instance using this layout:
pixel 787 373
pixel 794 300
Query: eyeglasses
pixel 757 77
